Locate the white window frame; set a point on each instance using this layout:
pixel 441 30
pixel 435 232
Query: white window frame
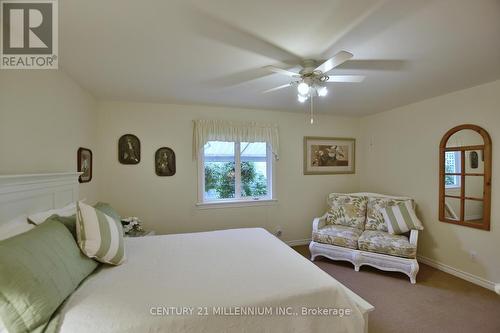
pixel 458 163
pixel 238 201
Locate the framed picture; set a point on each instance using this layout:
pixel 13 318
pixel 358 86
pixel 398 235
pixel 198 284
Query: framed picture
pixel 84 157
pixel 129 149
pixel 474 160
pixel 323 155
pixel 165 162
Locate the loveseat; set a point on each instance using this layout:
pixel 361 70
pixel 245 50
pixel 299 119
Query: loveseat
pixel 355 229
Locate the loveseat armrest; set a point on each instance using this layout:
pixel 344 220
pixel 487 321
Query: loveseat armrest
pixel 319 222
pixel 413 237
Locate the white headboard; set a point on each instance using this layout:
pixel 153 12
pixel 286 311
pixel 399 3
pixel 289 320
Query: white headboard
pixel 28 194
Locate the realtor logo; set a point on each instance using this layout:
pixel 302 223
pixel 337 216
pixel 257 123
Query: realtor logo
pixel 28 34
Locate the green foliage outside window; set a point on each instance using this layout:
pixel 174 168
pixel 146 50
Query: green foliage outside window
pixel 221 178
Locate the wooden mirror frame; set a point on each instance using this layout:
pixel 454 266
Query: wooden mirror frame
pixel 486 148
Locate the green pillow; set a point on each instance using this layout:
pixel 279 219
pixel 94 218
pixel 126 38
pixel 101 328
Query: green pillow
pixel 99 235
pixel 108 210
pixel 39 270
pixel 401 218
pixel 68 221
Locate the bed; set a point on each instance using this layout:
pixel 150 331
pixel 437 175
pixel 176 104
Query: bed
pixel 238 280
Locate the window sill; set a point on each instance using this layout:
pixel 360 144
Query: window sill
pixel 235 204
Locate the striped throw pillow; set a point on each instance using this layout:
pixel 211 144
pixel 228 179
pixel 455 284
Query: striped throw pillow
pixel 401 218
pixel 99 236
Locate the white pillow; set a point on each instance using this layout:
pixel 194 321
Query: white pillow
pixel 39 218
pixel 14 227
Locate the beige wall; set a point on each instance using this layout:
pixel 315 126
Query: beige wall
pixel 400 150
pixel 167 204
pixel 44 118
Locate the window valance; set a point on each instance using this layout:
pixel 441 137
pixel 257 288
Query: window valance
pixel 222 130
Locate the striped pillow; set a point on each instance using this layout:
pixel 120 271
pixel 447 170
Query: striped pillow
pixel 401 218
pixel 99 236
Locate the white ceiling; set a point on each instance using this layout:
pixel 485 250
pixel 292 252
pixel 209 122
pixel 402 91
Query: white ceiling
pixel 212 52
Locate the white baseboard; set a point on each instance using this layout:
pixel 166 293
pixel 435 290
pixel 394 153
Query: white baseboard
pixel 461 274
pixel 298 242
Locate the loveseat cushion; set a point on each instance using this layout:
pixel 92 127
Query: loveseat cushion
pixel 338 235
pixel 347 210
pixel 374 218
pixel 385 243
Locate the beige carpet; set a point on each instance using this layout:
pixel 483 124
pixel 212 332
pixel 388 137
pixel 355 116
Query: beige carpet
pixel 439 302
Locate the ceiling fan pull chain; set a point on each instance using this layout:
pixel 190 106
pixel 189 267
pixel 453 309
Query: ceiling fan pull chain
pixel 312 115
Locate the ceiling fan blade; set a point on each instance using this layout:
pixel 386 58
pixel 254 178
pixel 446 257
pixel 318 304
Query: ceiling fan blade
pixel 217 29
pixel 376 65
pixel 238 78
pixel 282 71
pixel 276 88
pixel 334 61
pixel 346 78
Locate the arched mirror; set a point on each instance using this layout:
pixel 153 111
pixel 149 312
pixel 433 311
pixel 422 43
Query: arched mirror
pixel 465 177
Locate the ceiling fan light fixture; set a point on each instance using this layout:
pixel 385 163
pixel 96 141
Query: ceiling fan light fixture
pixel 303 88
pixel 322 91
pixel 311 81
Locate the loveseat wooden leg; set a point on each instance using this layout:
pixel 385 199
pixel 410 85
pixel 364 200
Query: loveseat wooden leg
pixel 413 272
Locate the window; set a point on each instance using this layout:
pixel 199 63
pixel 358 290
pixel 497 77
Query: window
pixel 235 171
pixel 452 165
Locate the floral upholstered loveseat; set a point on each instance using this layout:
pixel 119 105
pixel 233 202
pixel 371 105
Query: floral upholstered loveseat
pixel 354 229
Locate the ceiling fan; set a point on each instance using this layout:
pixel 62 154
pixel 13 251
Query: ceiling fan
pixel 312 79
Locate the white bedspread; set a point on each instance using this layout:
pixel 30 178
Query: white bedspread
pixel 218 275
